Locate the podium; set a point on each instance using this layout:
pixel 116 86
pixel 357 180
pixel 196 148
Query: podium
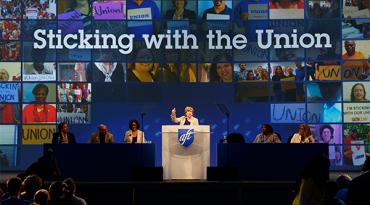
pixel 185 151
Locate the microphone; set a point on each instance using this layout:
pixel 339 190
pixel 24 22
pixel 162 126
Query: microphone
pixel 302 139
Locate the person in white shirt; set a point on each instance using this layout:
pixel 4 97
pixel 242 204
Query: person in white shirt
pixel 187 119
pixel 303 136
pixel 134 135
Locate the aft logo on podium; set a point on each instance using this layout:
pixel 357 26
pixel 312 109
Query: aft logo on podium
pixel 186 137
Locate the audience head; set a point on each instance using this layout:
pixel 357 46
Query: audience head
pixel 14 186
pixel 235 138
pixel 343 181
pixel 71 185
pixel 57 190
pixel 31 184
pixel 318 169
pixel 41 197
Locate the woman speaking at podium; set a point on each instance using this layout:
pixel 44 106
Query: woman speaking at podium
pixel 187 119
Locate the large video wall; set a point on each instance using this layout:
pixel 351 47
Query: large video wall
pixel 327 88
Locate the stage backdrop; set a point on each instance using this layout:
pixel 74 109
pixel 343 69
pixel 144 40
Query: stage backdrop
pixel 48 74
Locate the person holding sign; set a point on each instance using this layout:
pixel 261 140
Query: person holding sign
pixel 303 136
pixel 39 112
pixel 219 11
pixel 134 135
pixel 63 136
pixel 140 7
pixel 358 93
pixel 187 119
pixel 180 12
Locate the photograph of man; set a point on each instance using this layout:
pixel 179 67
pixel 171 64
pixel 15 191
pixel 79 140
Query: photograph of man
pixel 134 135
pixel 351 53
pixel 219 8
pixel 242 74
pixel 154 13
pixel 40 68
pixel 39 112
pixel 187 119
pixel 102 136
pixel 180 12
pixel 63 136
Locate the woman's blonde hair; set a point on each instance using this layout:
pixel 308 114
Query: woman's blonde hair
pixel 188 108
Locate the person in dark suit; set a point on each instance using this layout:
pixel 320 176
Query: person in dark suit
pixel 180 12
pixel 63 136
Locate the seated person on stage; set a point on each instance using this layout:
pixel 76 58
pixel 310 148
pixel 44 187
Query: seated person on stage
pixel 267 135
pixel 134 135
pixel 303 136
pixel 102 136
pixel 187 119
pixel 63 136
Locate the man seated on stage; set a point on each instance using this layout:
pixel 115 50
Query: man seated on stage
pixel 102 136
pixel 63 136
pixel 187 119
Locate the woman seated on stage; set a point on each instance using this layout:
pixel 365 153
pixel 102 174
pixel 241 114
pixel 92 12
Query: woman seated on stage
pixel 303 136
pixel 134 135
pixel 267 135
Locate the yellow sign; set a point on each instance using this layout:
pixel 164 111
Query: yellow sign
pixel 37 134
pixel 330 72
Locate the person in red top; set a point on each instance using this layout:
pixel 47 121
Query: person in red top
pixel 7 115
pixel 39 112
pixel 352 135
pixel 286 4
